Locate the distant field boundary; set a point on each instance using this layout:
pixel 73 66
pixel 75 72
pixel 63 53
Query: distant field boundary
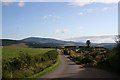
pixel 47 70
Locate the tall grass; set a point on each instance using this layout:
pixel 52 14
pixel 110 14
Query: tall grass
pixel 26 64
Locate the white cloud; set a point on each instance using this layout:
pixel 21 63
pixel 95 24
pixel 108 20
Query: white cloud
pixel 79 28
pixel 86 2
pixel 104 40
pixel 6 2
pixel 95 10
pixel 61 31
pixel 96 39
pixel 105 9
pixel 91 10
pixel 67 32
pixel 81 13
pixel 21 3
pixel 51 17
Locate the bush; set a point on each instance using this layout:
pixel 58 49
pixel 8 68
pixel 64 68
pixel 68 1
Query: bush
pixel 27 65
pixel 115 62
pixel 65 52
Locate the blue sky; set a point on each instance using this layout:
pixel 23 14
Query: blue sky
pixel 60 20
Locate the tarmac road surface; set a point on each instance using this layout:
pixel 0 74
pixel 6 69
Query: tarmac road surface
pixel 68 69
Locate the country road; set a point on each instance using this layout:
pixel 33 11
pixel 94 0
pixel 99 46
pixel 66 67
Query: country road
pixel 68 69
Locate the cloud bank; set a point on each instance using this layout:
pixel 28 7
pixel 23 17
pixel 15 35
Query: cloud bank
pixel 86 2
pixel 21 3
pixel 95 39
pixel 71 2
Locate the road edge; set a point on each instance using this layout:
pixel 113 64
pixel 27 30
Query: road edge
pixel 49 69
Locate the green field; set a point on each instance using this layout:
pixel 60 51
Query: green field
pixel 26 62
pixel 10 52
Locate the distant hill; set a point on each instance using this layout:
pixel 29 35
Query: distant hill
pixel 39 42
pixel 6 42
pixel 107 45
pixel 42 40
pixel 49 42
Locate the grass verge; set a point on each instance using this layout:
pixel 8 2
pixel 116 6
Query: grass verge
pixel 49 69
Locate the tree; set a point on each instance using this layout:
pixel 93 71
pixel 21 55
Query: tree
pixel 117 39
pixel 88 43
pixel 116 57
pixel 117 48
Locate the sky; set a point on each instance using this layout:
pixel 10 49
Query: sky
pixel 59 20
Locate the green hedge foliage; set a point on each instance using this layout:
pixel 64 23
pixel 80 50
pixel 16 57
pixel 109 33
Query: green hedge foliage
pixel 26 65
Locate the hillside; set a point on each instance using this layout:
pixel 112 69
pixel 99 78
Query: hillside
pixel 37 42
pixel 6 42
pixel 47 40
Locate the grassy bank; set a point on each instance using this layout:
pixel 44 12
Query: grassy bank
pixel 27 62
pixel 49 69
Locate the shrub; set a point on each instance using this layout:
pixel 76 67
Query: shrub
pixel 27 65
pixel 65 52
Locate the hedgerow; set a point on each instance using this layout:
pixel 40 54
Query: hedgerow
pixel 26 65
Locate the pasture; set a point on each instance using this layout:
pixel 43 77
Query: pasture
pixel 12 52
pixel 26 62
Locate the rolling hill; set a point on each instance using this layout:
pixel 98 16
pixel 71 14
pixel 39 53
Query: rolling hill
pixel 37 42
pixel 6 42
pixel 48 42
